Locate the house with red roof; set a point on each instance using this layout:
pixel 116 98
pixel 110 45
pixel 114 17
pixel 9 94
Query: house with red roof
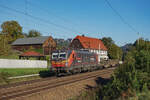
pixel 91 44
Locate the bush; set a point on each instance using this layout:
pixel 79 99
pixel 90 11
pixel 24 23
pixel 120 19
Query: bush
pixel 4 77
pixel 48 60
pixel 132 77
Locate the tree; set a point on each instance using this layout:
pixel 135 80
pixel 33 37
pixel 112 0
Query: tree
pixel 107 41
pixel 12 30
pixel 4 46
pixel 142 44
pixel 34 33
pixel 25 35
pixel 114 52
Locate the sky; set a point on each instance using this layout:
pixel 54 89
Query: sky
pixel 69 18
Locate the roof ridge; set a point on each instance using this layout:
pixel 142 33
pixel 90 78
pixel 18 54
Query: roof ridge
pixel 30 40
pixel 32 37
pixel 87 37
pixel 90 42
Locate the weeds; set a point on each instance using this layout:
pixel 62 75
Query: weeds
pixel 4 77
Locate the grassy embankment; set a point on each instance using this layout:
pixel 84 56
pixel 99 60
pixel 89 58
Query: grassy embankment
pixel 12 72
pixel 21 71
pixel 11 56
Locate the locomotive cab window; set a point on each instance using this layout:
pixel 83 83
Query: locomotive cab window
pixel 54 55
pixel 62 55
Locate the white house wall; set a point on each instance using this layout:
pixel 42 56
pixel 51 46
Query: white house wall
pixel 11 63
pixel 101 54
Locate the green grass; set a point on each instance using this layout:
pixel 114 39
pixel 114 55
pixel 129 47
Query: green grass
pixel 4 81
pixel 12 72
pixel 12 56
pixel 22 71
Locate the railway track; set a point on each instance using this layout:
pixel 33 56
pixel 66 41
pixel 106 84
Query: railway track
pixel 12 85
pixel 22 90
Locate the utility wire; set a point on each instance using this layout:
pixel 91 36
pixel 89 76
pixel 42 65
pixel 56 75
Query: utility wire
pixel 35 25
pixel 23 26
pixel 122 19
pixel 38 18
pixel 50 13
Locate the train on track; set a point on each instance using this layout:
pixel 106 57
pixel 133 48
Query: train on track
pixel 74 61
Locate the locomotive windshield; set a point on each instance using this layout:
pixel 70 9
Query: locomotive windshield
pixel 62 55
pixel 54 55
pixel 59 55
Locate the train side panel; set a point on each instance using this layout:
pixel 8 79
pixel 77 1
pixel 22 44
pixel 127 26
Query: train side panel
pixel 75 61
pixel 84 59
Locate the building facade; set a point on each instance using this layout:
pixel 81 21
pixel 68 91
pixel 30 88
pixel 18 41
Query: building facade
pixel 46 43
pixel 91 44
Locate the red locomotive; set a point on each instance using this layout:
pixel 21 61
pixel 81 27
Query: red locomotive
pixel 73 61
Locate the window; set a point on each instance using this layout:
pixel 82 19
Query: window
pixel 62 55
pixel 54 55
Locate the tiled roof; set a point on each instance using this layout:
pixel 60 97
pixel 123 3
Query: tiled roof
pixel 91 43
pixel 31 53
pixel 33 40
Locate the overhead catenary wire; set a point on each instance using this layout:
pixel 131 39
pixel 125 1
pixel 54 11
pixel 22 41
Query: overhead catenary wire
pixel 39 19
pixel 38 30
pixel 23 26
pixel 29 28
pixel 121 17
pixel 51 13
